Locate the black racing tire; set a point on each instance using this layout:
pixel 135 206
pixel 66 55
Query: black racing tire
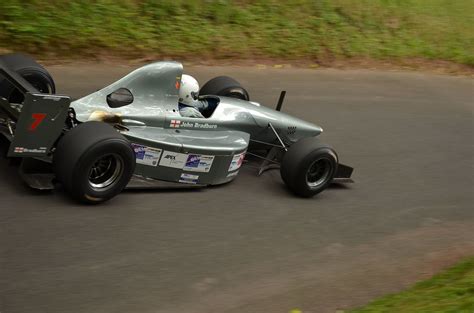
pixel 308 167
pixel 93 162
pixel 224 86
pixel 31 71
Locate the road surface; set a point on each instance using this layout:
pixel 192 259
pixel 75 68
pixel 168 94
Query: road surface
pixel 250 246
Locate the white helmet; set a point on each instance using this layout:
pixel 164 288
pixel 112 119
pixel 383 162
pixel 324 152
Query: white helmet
pixel 189 90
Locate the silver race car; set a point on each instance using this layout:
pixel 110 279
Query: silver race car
pixel 130 134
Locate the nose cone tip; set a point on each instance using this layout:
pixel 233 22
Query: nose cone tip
pixel 311 129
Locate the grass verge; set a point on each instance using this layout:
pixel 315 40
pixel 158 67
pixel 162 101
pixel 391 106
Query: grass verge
pixel 242 29
pixel 451 291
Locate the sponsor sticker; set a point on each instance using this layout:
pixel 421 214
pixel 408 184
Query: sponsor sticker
pixel 146 155
pixel 175 123
pixel 236 162
pixel 27 150
pixel 184 124
pixel 199 163
pixel 188 178
pixel 173 159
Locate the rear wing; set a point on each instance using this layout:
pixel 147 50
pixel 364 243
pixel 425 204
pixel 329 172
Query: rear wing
pixel 36 124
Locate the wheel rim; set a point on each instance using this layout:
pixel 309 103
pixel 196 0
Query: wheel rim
pixel 318 173
pixel 236 93
pixel 105 172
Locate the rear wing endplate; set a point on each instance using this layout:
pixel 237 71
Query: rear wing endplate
pixel 41 122
pixel 38 121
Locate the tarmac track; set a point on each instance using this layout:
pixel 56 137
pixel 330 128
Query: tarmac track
pixel 250 246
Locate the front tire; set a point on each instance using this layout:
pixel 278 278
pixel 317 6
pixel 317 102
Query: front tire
pixel 308 167
pixel 224 86
pixel 93 162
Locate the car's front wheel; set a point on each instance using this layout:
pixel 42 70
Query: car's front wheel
pixel 308 167
pixel 224 86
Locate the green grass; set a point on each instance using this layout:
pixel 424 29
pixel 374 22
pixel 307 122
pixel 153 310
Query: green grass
pixel 452 291
pixel 244 29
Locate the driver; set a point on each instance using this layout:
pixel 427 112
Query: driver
pixel 189 104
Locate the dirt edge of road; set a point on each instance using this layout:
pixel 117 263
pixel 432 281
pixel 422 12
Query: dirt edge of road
pixel 408 65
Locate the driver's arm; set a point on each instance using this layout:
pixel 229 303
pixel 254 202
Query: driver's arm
pixel 201 104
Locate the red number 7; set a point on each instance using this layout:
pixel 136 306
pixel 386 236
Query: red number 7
pixel 37 119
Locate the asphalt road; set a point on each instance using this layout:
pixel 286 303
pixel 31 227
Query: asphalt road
pixel 250 246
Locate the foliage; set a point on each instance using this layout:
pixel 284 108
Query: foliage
pixel 449 292
pixel 314 29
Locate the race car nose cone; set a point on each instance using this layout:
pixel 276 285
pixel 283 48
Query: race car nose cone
pixel 302 128
pixel 310 129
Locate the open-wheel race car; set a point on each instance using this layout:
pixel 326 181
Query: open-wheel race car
pixel 131 134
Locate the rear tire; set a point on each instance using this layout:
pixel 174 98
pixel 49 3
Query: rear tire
pixel 308 167
pixel 224 86
pixel 93 162
pixel 31 71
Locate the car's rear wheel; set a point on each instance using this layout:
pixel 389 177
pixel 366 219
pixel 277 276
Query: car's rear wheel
pixel 224 86
pixel 31 71
pixel 308 167
pixel 93 162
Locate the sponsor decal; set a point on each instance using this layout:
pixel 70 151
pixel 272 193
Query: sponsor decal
pixel 188 162
pixel 27 150
pixel 173 159
pixel 184 124
pixel 146 155
pixel 199 163
pixel 188 178
pixel 175 123
pixel 236 162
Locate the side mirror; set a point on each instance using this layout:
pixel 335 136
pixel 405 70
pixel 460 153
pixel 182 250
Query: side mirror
pixel 119 98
